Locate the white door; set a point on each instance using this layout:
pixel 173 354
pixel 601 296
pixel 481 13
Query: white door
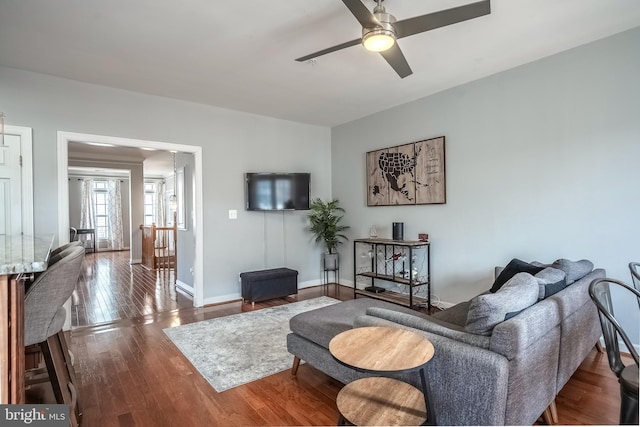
pixel 10 187
pixel 16 192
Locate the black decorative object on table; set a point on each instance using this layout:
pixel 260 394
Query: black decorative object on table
pixel 398 230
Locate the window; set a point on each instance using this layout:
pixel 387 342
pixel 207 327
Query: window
pixel 149 203
pixel 101 211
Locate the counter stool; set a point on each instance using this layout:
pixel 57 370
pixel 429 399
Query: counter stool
pixel 44 317
pixel 62 248
pixel 599 291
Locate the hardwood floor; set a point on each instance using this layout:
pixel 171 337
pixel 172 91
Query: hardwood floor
pixel 132 375
pixel 109 289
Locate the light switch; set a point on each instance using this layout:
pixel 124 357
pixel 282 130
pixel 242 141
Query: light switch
pixel 233 214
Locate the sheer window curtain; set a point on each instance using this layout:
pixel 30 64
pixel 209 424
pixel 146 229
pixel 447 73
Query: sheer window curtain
pixel 161 217
pixel 86 209
pixel 161 220
pixel 115 238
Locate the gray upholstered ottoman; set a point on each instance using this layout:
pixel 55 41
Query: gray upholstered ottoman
pixel 311 332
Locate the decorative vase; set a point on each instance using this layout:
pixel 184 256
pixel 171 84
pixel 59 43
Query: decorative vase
pixel 330 261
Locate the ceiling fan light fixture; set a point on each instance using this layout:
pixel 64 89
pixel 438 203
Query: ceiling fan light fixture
pixel 378 40
pixel 383 36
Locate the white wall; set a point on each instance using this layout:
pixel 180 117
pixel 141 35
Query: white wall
pixel 233 143
pixel 542 162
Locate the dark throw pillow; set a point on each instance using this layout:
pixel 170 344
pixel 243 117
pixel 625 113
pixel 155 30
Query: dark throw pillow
pixel 514 267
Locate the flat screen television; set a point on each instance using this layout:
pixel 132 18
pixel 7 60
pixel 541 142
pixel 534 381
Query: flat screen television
pixel 277 191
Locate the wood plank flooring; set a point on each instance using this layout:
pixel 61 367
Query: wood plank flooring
pixel 109 289
pixel 132 375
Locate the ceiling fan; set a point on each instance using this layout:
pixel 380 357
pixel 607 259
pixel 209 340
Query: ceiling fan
pixel 380 30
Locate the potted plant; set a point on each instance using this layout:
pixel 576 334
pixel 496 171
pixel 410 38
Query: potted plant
pixel 325 224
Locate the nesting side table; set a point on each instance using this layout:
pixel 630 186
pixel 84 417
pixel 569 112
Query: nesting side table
pixel 379 400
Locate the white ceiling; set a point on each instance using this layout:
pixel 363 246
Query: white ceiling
pixel 240 54
pixel 156 164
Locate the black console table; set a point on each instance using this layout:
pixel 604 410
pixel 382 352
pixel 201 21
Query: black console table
pixel 404 263
pixel 90 232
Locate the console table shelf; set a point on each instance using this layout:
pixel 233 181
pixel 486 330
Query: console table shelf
pixel 390 278
pixel 394 297
pixel 403 262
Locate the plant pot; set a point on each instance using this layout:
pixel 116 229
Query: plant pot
pixel 330 262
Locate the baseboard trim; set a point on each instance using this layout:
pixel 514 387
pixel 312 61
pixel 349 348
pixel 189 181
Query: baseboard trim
pixel 135 261
pixel 309 284
pixel 187 288
pixel 301 285
pixel 440 304
pixel 238 296
pixel 222 298
pixel 621 345
pixel 444 305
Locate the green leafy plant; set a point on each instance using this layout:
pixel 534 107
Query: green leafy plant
pixel 325 223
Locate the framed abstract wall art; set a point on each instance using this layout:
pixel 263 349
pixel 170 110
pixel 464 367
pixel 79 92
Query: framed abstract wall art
pixel 409 174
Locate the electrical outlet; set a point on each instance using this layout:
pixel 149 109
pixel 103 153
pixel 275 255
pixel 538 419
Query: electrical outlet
pixel 233 214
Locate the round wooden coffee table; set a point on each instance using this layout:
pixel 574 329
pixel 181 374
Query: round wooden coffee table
pixel 381 400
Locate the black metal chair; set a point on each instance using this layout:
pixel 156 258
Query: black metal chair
pixel 600 293
pixel 634 268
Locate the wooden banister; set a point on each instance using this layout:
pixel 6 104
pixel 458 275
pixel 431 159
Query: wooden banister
pixel 160 247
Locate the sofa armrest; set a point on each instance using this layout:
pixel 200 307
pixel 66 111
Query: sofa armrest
pixel 515 335
pixel 430 324
pixel 468 384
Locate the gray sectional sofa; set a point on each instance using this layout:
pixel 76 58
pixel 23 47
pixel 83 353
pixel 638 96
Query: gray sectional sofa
pixel 505 374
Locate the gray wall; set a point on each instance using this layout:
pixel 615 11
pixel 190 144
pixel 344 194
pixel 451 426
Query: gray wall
pixel 232 143
pixel 187 238
pixel 542 162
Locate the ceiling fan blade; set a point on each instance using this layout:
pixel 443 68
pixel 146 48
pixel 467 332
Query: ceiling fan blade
pixel 396 59
pixel 431 21
pixel 362 13
pixel 329 50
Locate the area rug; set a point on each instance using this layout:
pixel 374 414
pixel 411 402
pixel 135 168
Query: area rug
pixel 234 350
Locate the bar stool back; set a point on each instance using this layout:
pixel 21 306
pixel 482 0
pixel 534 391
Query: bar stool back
pixel 44 318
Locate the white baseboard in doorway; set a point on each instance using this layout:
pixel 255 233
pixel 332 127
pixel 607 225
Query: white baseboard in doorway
pixel 309 284
pixel 187 288
pixel 222 298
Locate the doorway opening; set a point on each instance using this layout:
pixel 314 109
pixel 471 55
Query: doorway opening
pixel 137 215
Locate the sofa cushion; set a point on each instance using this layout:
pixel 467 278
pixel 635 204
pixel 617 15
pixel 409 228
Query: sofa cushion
pixel 575 270
pixel 430 324
pixel 456 315
pixel 550 281
pixel 487 310
pixel 322 324
pixel 514 267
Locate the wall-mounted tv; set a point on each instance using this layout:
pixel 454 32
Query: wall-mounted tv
pixel 277 191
